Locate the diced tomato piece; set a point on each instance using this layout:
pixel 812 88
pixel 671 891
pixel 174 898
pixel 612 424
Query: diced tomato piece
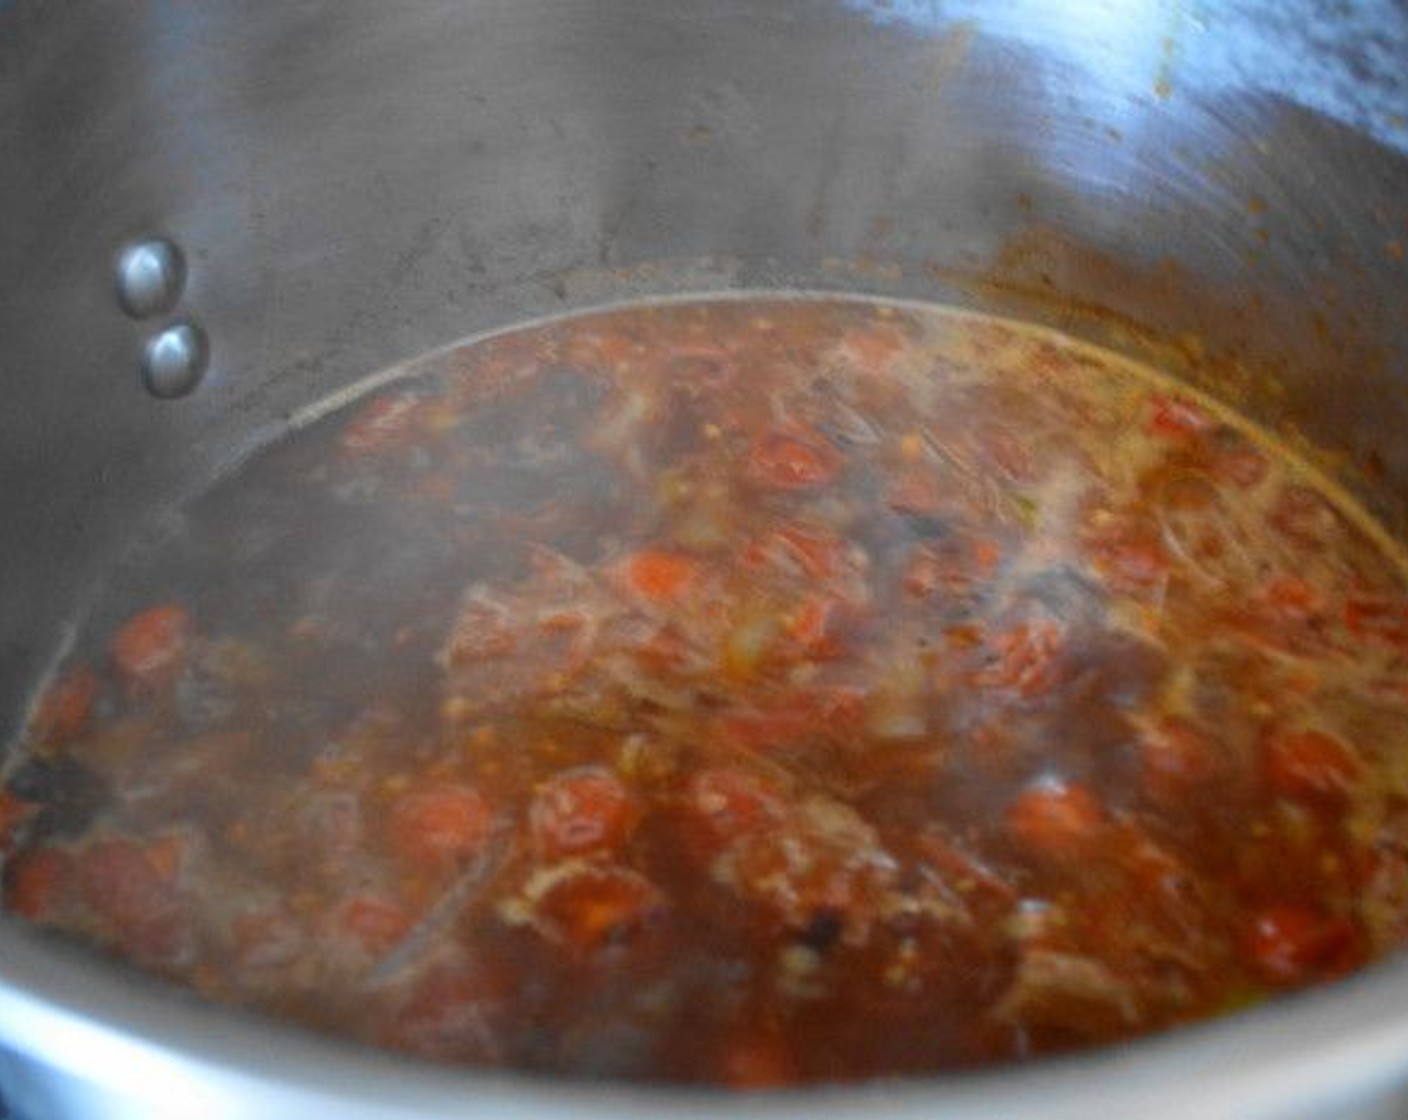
pixel 1025 659
pixel 757 1060
pixel 13 813
pixel 1310 765
pixel 728 802
pixel 1176 417
pixel 377 924
pixel 1291 597
pixel 66 708
pixel 37 882
pixel 1056 818
pixel 813 626
pixel 151 648
pixel 986 555
pixel 597 904
pixel 583 810
pixel 1382 619
pixel 1176 760
pixel 792 462
pixel 659 575
pixel 382 424
pixel 120 882
pixel 1289 943
pixel 438 825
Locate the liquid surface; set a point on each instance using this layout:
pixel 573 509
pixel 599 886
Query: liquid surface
pixel 748 692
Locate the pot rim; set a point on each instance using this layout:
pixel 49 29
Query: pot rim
pixel 133 1035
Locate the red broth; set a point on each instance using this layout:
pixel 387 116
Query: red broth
pixel 748 691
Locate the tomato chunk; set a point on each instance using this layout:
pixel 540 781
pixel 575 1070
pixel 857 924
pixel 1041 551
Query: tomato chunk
pixel 1056 818
pixel 1310 765
pixel 1025 659
pixel 815 626
pixel 66 708
pixel 151 648
pixel 594 905
pixel 120 881
pixel 37 882
pixel 1291 597
pixel 1289 943
pixel 438 825
pixel 659 575
pixel 579 811
pixel 789 462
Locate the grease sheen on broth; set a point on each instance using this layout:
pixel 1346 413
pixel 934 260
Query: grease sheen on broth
pixel 750 691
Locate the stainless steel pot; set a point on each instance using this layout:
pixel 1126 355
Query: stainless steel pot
pixel 1222 185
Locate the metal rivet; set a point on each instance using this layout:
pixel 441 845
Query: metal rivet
pixel 175 360
pixel 150 277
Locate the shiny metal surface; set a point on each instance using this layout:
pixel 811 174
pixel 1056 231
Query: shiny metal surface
pixel 354 182
pixel 174 360
pixel 150 276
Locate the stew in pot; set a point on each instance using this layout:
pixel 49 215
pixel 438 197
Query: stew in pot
pixel 747 691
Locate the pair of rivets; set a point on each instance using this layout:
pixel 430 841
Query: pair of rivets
pixel 151 276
